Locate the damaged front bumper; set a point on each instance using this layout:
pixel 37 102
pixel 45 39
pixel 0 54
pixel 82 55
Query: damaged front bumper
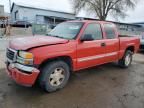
pixel 23 75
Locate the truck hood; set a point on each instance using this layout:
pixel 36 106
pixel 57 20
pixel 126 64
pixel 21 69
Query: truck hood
pixel 35 41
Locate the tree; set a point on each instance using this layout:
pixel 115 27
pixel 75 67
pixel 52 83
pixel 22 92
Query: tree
pixel 102 8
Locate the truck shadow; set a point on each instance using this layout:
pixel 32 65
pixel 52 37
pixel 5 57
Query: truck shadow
pixel 89 72
pixel 141 52
pixel 84 83
pixel 78 78
pixel 95 71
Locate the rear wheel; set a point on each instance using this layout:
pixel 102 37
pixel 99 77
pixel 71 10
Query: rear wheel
pixel 54 76
pixel 126 61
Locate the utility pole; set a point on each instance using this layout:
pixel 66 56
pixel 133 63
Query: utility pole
pixel 10 5
pixel 10 21
pixel 10 9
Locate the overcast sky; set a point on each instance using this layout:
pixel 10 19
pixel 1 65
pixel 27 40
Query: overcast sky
pixel 136 15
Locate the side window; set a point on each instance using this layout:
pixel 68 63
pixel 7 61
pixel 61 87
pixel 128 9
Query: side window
pixel 109 30
pixel 94 30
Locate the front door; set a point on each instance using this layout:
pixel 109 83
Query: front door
pixel 111 42
pixel 91 53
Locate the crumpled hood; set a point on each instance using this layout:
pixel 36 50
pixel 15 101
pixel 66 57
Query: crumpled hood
pixel 34 41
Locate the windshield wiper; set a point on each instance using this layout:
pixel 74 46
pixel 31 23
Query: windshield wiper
pixel 48 34
pixel 55 36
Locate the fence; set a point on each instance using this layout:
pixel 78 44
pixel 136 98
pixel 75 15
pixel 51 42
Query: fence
pixel 39 29
pixel 25 28
pixel 3 21
pixel 42 29
pixel 123 32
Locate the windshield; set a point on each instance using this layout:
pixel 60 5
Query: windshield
pixel 66 30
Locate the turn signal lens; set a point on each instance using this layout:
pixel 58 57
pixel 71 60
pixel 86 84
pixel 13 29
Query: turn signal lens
pixel 29 56
pixel 25 55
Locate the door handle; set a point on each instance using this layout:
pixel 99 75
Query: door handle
pixel 103 44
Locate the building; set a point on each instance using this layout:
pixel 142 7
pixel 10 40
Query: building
pixel 4 17
pixel 42 15
pixel 1 10
pixel 139 23
pixel 124 28
pixel 34 14
pixel 128 26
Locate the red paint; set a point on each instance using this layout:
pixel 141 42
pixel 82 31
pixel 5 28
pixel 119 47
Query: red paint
pixel 22 78
pixel 78 51
pixel 35 41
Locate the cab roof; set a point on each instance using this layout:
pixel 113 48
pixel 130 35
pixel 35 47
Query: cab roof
pixel 90 21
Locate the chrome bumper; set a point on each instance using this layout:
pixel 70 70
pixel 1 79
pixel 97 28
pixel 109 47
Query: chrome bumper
pixel 22 67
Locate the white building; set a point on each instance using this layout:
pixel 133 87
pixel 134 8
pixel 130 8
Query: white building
pixel 2 10
pixel 39 15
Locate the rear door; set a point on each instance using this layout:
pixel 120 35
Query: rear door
pixel 91 53
pixel 111 42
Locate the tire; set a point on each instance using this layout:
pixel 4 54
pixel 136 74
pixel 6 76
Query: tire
pixel 126 61
pixel 54 76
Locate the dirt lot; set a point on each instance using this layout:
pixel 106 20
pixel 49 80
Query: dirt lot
pixel 106 86
pixel 17 31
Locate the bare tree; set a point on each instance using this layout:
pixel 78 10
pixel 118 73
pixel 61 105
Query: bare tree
pixel 102 8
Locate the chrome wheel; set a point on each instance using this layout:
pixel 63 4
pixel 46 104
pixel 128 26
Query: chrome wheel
pixel 57 77
pixel 127 59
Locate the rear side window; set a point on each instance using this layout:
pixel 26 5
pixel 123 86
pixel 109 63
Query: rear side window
pixel 94 30
pixel 109 30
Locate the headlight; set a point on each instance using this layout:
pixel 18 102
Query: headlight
pixel 25 58
pixel 25 55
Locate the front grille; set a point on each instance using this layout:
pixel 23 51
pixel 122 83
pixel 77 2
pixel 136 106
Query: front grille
pixel 10 54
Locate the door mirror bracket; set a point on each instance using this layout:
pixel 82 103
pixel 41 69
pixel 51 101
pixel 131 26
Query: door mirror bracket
pixel 87 37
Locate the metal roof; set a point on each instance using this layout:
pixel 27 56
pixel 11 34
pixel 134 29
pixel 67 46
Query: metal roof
pixel 138 23
pixel 131 24
pixel 38 7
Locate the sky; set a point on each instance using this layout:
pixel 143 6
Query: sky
pixel 136 15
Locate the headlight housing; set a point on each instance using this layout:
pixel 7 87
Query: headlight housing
pixel 25 55
pixel 25 58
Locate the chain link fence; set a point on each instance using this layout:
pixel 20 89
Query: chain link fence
pixel 131 33
pixel 2 26
pixel 25 28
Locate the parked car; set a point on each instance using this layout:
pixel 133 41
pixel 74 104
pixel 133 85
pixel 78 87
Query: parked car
pixel 22 24
pixel 50 27
pixel 69 47
pixel 2 25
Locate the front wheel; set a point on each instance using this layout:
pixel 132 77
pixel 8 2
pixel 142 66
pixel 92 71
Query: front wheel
pixel 54 76
pixel 126 61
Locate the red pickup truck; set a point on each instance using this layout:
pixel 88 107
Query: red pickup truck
pixel 69 47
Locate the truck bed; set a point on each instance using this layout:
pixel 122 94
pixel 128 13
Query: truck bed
pixel 126 41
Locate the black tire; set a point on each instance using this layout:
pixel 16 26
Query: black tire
pixel 45 79
pixel 122 63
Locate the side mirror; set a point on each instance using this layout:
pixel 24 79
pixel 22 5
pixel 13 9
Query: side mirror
pixel 87 37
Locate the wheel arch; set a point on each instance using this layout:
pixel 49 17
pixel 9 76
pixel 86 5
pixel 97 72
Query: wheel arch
pixel 66 59
pixel 130 48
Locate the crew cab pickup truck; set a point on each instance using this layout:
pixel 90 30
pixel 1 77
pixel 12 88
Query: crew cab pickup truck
pixel 69 47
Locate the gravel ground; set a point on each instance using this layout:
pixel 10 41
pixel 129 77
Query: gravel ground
pixel 106 86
